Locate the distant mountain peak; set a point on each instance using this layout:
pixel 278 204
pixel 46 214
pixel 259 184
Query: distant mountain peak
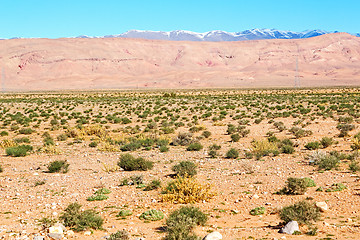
pixel 219 35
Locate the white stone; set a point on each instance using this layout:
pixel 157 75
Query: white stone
pixel 56 229
pixel 87 233
pixel 290 228
pixel 255 196
pixel 213 236
pixel 322 206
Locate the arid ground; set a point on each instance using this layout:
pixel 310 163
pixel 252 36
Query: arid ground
pixel 92 130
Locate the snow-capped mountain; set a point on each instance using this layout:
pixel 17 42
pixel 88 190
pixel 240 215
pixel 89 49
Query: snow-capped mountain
pixel 217 36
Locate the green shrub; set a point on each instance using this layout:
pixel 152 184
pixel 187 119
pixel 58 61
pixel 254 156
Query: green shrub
pixel 182 139
pixel 214 147
pixel 119 235
pixel 164 149
pixel 258 211
pixel 287 149
pixel 152 215
pixel 185 168
pixel 329 162
pixel 18 151
pixel 354 166
pixel 132 146
pixel 196 146
pixel 58 166
pixel 295 186
pixel 299 132
pixel 62 137
pixel 26 131
pixel 93 144
pixel 206 134
pixel 4 133
pixel 22 140
pixel 303 212
pixel 326 142
pixel 124 213
pixel 235 137
pixel 309 182
pixel 130 163
pixel 97 197
pixel 181 222
pixel 336 187
pixel 312 145
pixel 154 184
pixel 80 220
pixel 103 191
pixel 232 153
pixel 213 153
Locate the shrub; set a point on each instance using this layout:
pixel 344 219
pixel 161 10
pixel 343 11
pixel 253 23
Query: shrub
pixel 312 145
pixel 182 139
pixel 1 169
pixel 354 166
pixel 309 182
pixel 26 131
pixel 80 220
pixel 328 163
pixel 181 222
pixel 235 137
pixel 287 149
pixel 93 144
pixel 303 212
pixel 232 153
pixel 154 184
pixel 213 153
pixel 4 133
pixel 206 134
pixel 258 211
pixel 326 142
pixel 214 147
pixel 152 215
pixel 132 146
pixel 124 213
pixel 185 168
pixel 119 235
pixel 58 166
pixel 186 190
pixel 22 140
pixel 294 186
pixel 264 147
pixel 103 191
pixel 344 129
pixel 336 187
pixel 18 151
pixel 62 137
pixel 196 146
pixel 164 149
pixel 130 163
pixel 279 126
pixel 356 144
pixel 97 197
pixel 299 132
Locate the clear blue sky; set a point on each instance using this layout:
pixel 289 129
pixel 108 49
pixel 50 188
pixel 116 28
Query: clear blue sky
pixel 66 18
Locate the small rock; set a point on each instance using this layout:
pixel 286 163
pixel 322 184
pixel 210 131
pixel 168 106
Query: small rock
pixel 56 229
pixel 213 236
pixel 322 206
pixel 290 228
pixel 70 232
pixel 55 235
pixel 326 224
pixel 87 233
pixel 39 238
pixel 255 196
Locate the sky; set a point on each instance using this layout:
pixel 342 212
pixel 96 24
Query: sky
pixel 69 18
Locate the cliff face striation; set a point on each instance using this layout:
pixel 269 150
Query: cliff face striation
pixel 113 63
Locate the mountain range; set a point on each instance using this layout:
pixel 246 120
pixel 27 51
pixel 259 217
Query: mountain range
pixel 127 63
pixel 218 36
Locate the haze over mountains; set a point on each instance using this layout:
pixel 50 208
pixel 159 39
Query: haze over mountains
pixel 112 63
pixel 217 36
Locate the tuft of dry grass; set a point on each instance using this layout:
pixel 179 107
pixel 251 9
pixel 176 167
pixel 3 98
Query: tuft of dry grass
pixel 185 190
